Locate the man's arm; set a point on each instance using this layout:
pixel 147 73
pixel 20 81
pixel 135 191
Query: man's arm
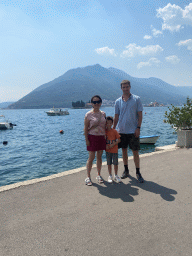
pixel 140 117
pixel 115 121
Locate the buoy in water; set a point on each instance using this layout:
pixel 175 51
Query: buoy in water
pixel 61 131
pixel 5 142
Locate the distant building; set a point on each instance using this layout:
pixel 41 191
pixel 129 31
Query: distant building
pixel 88 105
pixel 155 104
pixel 108 103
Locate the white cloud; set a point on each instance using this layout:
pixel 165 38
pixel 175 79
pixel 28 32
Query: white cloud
pixel 134 50
pixel 156 32
pixel 187 13
pixel 172 59
pixel 174 17
pixel 149 63
pixel 105 51
pixel 146 37
pixel 187 43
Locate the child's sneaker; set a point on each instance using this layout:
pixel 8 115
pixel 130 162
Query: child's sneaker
pixel 117 178
pixel 99 179
pixel 110 180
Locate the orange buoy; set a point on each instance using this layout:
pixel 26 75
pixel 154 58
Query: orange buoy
pixel 61 131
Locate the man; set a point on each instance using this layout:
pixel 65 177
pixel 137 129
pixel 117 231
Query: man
pixel 128 119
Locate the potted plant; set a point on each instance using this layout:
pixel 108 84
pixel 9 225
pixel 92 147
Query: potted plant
pixel 180 118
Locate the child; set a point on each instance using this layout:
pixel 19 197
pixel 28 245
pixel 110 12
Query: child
pixel 112 139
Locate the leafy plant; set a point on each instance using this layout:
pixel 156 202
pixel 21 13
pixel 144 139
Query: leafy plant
pixel 180 117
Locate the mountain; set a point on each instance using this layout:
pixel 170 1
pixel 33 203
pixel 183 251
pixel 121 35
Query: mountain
pixel 185 90
pixel 5 104
pixel 83 83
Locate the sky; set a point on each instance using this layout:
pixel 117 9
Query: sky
pixel 41 40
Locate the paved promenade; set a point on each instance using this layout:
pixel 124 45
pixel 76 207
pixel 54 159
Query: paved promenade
pixel 61 216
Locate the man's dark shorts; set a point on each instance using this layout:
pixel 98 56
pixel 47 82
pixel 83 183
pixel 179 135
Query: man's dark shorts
pixel 129 140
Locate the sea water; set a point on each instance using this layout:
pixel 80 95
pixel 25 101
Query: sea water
pixel 36 148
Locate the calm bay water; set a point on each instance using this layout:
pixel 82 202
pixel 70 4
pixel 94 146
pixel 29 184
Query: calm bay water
pixel 36 149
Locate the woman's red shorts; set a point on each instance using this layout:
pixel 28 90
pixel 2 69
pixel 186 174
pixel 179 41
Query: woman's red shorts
pixel 96 143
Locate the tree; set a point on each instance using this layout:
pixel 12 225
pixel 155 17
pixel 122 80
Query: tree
pixel 180 117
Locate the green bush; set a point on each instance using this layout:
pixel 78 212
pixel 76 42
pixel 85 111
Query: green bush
pixel 180 117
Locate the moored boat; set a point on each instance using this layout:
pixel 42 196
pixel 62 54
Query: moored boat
pixel 57 112
pixel 149 139
pixel 4 125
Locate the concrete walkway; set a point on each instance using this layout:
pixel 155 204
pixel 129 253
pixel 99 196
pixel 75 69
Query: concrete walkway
pixel 61 216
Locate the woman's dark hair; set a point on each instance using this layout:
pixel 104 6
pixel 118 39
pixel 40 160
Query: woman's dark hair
pixel 110 118
pixel 97 97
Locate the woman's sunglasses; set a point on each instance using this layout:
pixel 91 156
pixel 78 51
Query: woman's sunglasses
pixel 96 101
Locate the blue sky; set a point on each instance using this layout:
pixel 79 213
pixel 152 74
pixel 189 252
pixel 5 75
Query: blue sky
pixel 41 40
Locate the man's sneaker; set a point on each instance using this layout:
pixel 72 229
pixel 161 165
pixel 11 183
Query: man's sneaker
pixel 139 178
pixel 110 180
pixel 117 178
pixel 125 175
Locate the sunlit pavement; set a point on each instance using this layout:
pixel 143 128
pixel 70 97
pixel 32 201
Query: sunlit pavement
pixel 62 216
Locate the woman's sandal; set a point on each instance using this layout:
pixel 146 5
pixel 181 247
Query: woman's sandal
pixel 88 181
pixel 99 179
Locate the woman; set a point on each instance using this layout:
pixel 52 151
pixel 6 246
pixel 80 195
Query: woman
pixel 94 128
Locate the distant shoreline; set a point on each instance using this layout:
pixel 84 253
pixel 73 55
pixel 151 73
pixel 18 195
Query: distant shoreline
pixel 81 107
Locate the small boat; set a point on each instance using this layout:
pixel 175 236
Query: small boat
pixel 149 139
pixel 4 125
pixel 57 112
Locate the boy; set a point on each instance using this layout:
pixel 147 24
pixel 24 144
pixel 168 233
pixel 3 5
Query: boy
pixel 112 139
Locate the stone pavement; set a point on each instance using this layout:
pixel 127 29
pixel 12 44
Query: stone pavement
pixel 59 215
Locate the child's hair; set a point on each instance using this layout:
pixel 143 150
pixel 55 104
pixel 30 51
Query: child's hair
pixel 109 118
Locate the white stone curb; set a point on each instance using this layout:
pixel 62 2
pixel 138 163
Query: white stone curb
pixel 159 150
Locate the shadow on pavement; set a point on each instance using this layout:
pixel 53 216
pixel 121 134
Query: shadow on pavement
pixel 125 192
pixel 117 190
pixel 165 193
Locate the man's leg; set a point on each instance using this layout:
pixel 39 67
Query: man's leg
pixel 136 158
pixel 125 156
pixel 125 161
pixel 137 165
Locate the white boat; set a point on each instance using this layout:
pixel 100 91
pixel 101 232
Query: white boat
pixel 57 112
pixel 148 139
pixel 4 125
